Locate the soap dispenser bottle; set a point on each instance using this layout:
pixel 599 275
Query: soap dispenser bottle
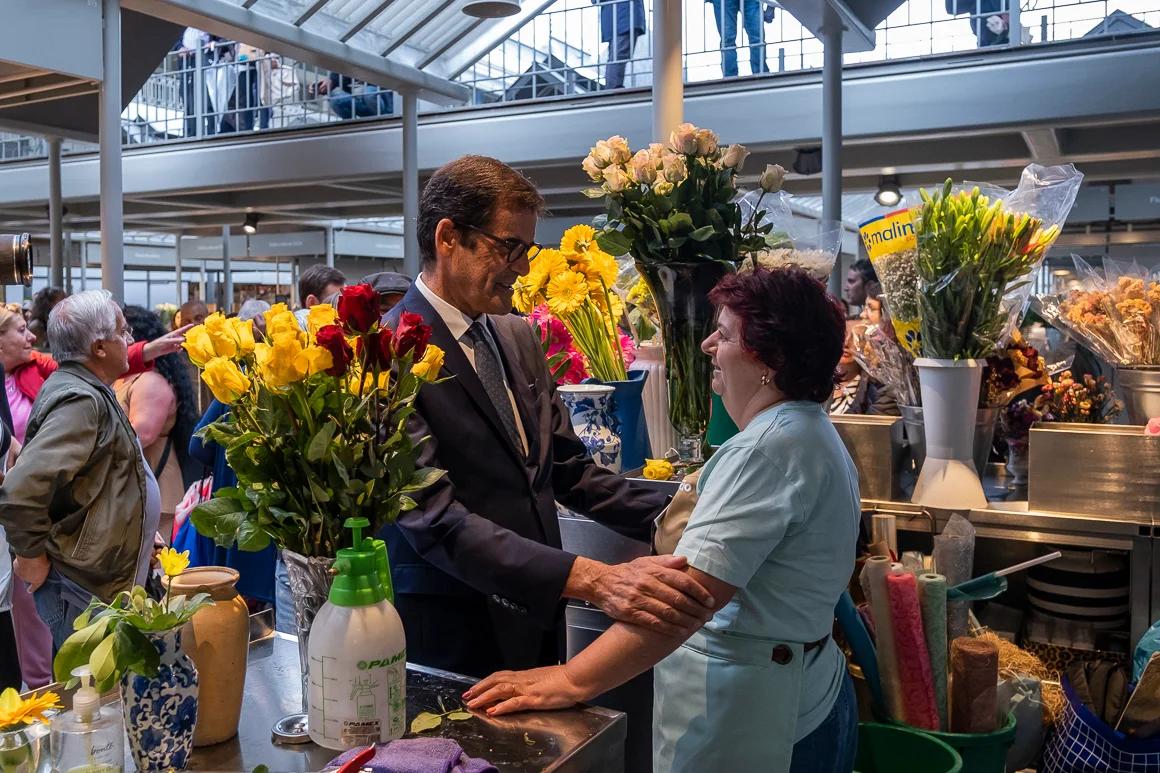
pixel 90 738
pixel 358 653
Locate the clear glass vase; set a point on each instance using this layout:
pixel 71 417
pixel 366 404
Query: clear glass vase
pixel 20 748
pixel 681 291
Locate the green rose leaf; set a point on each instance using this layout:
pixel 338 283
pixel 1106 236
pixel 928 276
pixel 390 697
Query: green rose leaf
pixel 459 716
pixel 425 721
pixel 320 442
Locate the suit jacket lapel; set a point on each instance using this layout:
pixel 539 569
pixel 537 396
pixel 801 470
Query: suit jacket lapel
pixel 456 363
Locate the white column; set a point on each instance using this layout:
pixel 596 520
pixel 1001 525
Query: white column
pixel 668 70
pixel 68 273
pixel 329 236
pixel 112 212
pixel 55 216
pixel 411 185
pixel 227 274
pixel 177 272
pixel 832 130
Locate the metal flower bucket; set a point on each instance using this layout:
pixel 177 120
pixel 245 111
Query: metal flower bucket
pixel 1140 387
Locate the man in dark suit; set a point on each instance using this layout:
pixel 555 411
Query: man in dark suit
pixel 479 574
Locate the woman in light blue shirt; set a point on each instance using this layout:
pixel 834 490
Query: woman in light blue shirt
pixel 761 686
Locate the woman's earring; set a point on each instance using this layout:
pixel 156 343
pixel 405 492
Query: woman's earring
pixel 765 379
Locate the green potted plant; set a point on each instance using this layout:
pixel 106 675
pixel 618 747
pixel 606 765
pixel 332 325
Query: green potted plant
pixel 135 640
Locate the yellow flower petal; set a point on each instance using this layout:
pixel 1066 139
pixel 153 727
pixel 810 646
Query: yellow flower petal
pixel 199 346
pixel 567 292
pixel 578 239
pixel 172 562
pixel 431 363
pixel 320 316
pixel 225 379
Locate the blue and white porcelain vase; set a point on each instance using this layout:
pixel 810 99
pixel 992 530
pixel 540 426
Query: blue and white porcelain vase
pixel 161 711
pixel 591 409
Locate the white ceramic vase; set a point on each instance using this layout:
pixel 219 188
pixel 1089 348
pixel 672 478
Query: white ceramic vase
pixel 950 400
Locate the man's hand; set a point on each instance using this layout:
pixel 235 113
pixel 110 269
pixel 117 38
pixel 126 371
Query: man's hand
pixel 536 688
pixel 33 571
pixel 654 592
pixel 166 344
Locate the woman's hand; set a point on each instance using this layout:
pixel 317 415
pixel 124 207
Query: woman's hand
pixel 535 689
pixel 166 344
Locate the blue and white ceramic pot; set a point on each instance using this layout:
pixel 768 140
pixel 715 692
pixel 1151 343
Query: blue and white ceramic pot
pixel 591 409
pixel 628 418
pixel 161 711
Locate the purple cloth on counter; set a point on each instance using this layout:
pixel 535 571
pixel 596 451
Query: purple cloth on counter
pixel 419 755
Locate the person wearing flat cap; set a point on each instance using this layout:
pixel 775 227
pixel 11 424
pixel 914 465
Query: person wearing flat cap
pixel 390 286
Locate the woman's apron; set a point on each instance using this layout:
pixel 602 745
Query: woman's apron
pixel 726 702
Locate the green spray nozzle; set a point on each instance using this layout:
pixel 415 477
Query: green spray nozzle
pixel 357 525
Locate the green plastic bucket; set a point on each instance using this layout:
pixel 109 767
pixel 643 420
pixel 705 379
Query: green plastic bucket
pixel 892 748
pixel 982 752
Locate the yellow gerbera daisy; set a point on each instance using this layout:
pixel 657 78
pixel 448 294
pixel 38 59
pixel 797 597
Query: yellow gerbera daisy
pixel 548 263
pixel 601 268
pixel 578 239
pixel 16 711
pixel 567 292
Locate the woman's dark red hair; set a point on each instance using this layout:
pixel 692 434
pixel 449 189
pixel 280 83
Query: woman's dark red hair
pixel 791 324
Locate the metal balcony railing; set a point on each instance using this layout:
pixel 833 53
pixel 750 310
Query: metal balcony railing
pixel 576 47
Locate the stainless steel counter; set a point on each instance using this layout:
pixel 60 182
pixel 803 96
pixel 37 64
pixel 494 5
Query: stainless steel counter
pixel 569 741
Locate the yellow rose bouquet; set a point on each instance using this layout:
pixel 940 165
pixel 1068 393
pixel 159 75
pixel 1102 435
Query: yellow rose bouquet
pixel 316 431
pixel 575 283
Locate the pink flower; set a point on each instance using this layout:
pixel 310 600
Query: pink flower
pixel 1153 427
pixel 627 349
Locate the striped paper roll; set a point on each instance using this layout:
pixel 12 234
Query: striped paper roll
pixel 932 594
pixel 876 570
pixel 918 701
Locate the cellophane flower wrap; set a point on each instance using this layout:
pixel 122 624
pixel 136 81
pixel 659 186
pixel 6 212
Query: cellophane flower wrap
pixel 576 286
pixel 977 251
pixel 316 431
pixel 1115 313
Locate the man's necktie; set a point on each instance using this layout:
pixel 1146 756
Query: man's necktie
pixel 490 372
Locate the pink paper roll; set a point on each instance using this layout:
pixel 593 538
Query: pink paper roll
pixel 918 703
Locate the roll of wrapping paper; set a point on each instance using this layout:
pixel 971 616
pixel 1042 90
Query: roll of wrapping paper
pixel 918 704
pixel 876 570
pixel 954 557
pixel 932 597
pixel 884 528
pixel 974 685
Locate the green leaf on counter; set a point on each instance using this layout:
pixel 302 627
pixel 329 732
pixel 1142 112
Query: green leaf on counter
pixel 425 721
pixel 459 716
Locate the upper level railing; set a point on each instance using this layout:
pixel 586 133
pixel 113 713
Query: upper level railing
pixel 576 46
pixel 210 87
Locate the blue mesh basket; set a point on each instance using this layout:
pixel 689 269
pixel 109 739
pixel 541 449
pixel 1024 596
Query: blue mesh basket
pixel 1084 743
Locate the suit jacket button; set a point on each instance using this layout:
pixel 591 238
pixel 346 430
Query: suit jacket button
pixel 782 655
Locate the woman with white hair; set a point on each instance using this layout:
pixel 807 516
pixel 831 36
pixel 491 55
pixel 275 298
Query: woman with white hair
pixel 80 506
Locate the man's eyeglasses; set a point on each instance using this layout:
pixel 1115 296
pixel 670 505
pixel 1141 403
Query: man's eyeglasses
pixel 515 248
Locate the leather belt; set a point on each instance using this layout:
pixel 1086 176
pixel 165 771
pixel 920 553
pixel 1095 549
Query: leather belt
pixel 782 654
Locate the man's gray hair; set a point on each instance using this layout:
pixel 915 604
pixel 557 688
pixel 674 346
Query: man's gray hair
pixel 252 308
pixel 79 321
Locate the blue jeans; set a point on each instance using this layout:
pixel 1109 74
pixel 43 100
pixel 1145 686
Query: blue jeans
pixel 371 102
pixel 726 19
pixel 58 602
pixel 283 600
pixel 833 745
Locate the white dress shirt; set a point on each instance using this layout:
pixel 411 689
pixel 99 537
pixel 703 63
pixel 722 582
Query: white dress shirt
pixel 458 323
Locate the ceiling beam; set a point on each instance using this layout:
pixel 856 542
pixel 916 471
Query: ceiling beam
pixel 236 23
pixel 313 9
pixel 405 34
pixel 367 18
